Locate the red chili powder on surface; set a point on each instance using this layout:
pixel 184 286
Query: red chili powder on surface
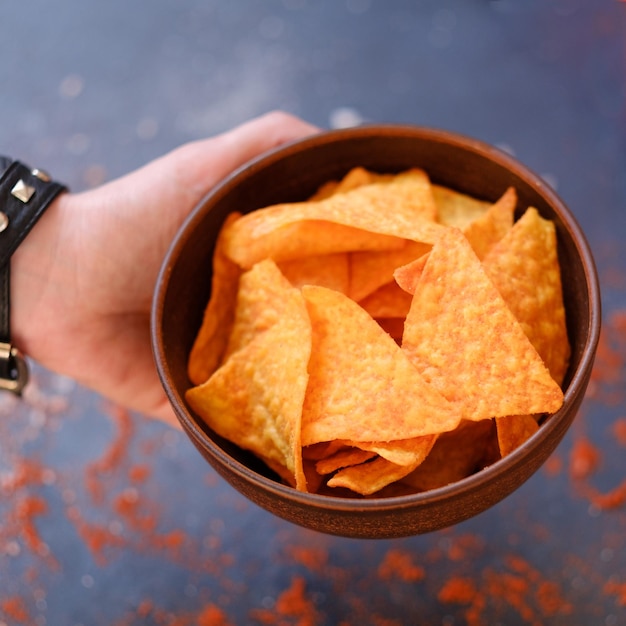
pixel 519 587
pixel 113 456
pixel 617 589
pixel 292 603
pixel 584 459
pixel 613 499
pixel 314 559
pixel 457 590
pixel 212 615
pixel 398 564
pixel 619 431
pixel 14 608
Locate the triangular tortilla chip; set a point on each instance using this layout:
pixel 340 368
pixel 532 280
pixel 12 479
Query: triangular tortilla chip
pixel 369 477
pixel 457 209
pixel 264 296
pixel 345 457
pixel 407 276
pixel 514 430
pixel 361 385
pixel 389 301
pixel 210 343
pixel 255 398
pixel 407 452
pixel 402 208
pixel 328 270
pixel 370 270
pixel 465 341
pixel 484 232
pixel 524 267
pixel 454 456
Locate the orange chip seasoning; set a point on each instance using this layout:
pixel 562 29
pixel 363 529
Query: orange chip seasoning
pixel 524 267
pixel 454 456
pixel 484 232
pixel 255 398
pixel 327 270
pixel 343 458
pixel 370 270
pixel 514 430
pixel 455 208
pixel 400 209
pixel 407 452
pixel 369 477
pixel 264 296
pixel 362 387
pixel 463 338
pixel 210 343
pixel 389 301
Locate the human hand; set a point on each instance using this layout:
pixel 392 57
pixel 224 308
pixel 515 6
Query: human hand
pixel 83 279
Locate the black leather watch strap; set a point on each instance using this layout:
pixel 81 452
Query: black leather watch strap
pixel 25 194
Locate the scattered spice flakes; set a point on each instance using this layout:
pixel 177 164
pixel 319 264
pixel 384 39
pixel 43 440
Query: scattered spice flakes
pixel 398 564
pixel 212 615
pixel 517 587
pixel 209 615
pixel 457 590
pixel 607 377
pixel 607 386
pixel 292 607
pixel 584 459
pixel 314 559
pixel 14 609
pixel 113 457
pixel 617 589
pixel 619 431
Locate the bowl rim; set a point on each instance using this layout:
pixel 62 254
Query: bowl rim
pixel 466 485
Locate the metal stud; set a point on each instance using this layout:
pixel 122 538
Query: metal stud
pixel 22 191
pixel 41 175
pixel 4 221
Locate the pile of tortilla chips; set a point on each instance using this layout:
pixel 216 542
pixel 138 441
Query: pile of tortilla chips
pixel 387 336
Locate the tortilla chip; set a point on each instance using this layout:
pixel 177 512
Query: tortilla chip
pixel 407 452
pixel 329 270
pixel 361 385
pixel 524 267
pixel 325 191
pixel 369 477
pixel 389 301
pixel 255 398
pixel 345 457
pixel 264 296
pixel 356 220
pixel 514 430
pixel 464 340
pixel 393 326
pixel 454 456
pixel 370 270
pixel 407 276
pixel 484 232
pixel 457 209
pixel 356 177
pixel 210 343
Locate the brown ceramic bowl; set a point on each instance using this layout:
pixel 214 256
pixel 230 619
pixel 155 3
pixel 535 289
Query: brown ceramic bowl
pixel 293 173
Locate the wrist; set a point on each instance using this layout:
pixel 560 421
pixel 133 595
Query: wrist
pixel 35 277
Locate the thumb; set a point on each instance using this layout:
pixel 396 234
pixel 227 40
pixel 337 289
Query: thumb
pixel 196 167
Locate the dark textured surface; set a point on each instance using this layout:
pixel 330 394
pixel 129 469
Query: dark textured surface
pixel 108 519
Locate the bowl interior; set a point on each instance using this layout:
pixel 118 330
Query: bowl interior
pixel 293 173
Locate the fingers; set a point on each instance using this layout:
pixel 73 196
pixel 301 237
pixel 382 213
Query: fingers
pixel 200 165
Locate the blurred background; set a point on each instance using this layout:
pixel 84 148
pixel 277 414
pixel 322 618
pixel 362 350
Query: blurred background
pixel 109 519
